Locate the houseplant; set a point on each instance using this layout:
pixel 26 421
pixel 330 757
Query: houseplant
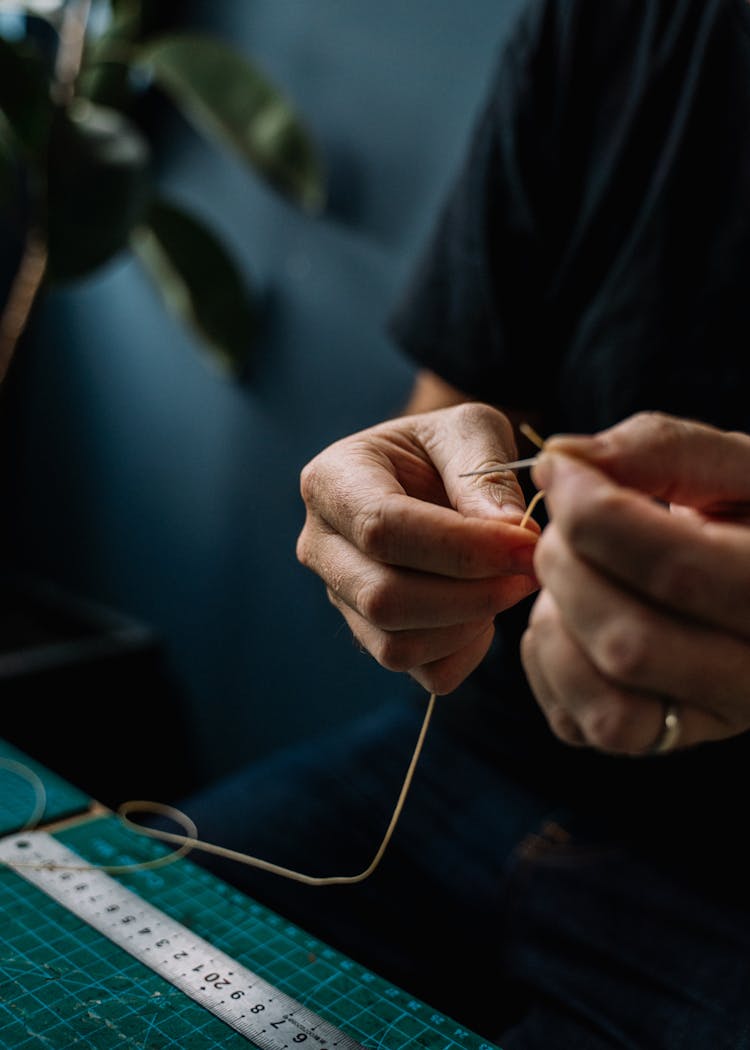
pixel 78 185
pixel 78 169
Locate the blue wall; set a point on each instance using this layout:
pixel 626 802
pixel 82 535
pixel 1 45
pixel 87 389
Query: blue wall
pixel 144 479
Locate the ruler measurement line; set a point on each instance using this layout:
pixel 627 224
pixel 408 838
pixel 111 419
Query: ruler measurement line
pixel 230 991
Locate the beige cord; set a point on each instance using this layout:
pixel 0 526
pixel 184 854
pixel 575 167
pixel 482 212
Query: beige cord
pixel 37 785
pixel 531 507
pixel 191 841
pixel 528 431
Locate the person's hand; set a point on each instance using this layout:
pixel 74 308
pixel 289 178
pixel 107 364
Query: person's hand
pixel 419 560
pixel 645 574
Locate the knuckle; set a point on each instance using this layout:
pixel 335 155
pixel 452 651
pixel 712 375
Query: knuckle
pixel 661 426
pixel 471 412
pixel 648 418
pixel 527 647
pixel 308 481
pixel 541 623
pixel 395 652
pixel 378 601
pixel 622 650
pixel 546 551
pixel 324 482
pixel 544 612
pixel 372 532
pixel 609 725
pixel 564 726
pixel 303 549
pixel 471 417
pixel 658 428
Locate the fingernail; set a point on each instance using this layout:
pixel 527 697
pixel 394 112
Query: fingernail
pixel 584 445
pixel 543 471
pixel 552 467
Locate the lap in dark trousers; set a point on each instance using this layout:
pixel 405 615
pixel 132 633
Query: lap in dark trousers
pixel 530 938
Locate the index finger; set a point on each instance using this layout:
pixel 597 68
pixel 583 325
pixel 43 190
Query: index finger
pixel 674 459
pixel 401 530
pixel 693 567
pixel 384 523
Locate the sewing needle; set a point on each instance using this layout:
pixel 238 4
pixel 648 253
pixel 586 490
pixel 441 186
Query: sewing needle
pixel 517 464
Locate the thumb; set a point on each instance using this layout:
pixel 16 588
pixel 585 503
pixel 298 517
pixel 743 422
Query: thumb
pixel 672 459
pixel 474 437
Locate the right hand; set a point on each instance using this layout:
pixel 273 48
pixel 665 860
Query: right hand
pixel 418 560
pixel 645 566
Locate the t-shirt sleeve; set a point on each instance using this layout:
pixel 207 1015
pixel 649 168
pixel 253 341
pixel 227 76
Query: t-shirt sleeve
pixel 473 311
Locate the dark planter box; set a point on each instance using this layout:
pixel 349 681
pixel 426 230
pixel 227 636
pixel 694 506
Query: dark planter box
pixel 86 691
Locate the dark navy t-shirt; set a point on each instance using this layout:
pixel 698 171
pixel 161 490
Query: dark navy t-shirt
pixel 593 260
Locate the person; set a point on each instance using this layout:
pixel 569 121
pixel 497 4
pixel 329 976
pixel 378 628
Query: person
pixel 570 868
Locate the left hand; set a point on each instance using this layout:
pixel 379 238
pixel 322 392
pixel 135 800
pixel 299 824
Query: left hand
pixel 644 603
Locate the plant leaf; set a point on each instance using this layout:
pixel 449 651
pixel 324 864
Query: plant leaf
pixel 98 188
pixel 40 8
pixel 199 282
pixel 227 98
pixel 104 76
pixel 25 96
pixel 8 164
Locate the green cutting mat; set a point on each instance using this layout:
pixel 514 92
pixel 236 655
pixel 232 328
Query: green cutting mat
pixel 64 986
pixel 17 795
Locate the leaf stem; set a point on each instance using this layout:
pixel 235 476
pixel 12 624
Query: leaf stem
pixel 31 269
pixel 70 51
pixel 23 293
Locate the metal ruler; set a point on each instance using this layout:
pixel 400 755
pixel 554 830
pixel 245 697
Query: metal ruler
pixel 246 1002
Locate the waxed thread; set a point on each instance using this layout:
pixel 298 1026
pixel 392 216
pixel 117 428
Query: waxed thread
pixel 37 786
pixel 528 431
pixel 190 841
pixel 537 497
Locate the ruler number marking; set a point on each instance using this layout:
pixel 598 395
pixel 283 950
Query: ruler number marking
pixel 235 994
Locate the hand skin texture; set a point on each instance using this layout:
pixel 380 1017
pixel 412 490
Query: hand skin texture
pixel 645 574
pixel 419 560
